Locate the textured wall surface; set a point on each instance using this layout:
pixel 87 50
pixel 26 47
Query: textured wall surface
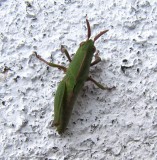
pixel 121 124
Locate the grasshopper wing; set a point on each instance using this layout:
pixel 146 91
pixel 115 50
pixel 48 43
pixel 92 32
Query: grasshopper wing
pixel 59 103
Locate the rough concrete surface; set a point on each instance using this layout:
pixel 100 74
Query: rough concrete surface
pixel 105 125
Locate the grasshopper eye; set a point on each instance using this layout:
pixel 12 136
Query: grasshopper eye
pixel 94 49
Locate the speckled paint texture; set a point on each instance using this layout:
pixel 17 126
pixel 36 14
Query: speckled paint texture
pixel 116 125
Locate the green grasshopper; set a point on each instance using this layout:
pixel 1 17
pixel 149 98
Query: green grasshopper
pixel 76 75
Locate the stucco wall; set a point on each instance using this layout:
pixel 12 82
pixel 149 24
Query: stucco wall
pixel 121 124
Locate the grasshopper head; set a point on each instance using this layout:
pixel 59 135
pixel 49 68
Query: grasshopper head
pixel 88 45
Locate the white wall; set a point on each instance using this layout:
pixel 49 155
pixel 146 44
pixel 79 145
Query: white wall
pixel 121 124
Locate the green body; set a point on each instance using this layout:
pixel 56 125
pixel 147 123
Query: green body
pixel 70 86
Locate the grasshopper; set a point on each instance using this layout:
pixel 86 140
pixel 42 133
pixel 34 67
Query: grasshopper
pixel 76 75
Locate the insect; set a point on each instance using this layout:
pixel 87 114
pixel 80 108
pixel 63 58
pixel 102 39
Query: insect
pixel 76 75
